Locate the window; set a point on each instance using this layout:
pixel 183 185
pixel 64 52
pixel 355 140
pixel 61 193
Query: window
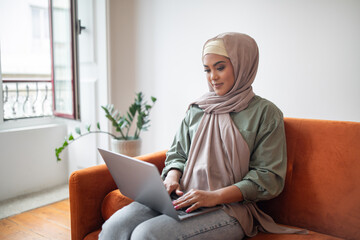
pixel 38 57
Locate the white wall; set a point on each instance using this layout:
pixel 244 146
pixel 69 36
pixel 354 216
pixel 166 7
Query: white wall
pixel 309 55
pixel 27 160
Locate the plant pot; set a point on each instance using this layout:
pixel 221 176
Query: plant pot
pixel 129 148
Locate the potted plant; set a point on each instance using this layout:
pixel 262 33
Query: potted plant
pixel 124 143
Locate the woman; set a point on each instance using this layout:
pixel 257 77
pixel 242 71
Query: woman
pixel 230 150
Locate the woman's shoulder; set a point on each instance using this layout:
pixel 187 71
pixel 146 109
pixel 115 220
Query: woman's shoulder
pixel 194 108
pixel 194 113
pixel 260 112
pixel 265 107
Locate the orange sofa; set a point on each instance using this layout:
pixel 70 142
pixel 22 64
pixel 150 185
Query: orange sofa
pixel 321 194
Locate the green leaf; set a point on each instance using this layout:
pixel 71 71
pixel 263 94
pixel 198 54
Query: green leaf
pixel 88 127
pixel 117 117
pixel 71 137
pixel 116 112
pixel 153 99
pixel 126 121
pixel 132 109
pixel 98 125
pixel 120 122
pixel 57 153
pixel 147 107
pixel 130 117
pixel 65 144
pixel 78 131
pixel 140 122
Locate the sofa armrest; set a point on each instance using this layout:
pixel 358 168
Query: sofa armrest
pixel 87 190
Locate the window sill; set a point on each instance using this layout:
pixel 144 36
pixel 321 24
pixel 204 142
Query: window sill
pixel 28 124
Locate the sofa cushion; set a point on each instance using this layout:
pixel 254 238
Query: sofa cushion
pixel 93 236
pixel 113 202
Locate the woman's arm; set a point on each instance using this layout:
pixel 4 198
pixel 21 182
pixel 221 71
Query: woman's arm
pixel 172 182
pixel 267 167
pixel 177 154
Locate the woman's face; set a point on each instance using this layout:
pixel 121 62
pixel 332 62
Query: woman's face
pixel 219 73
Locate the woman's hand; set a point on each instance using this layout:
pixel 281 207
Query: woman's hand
pixel 196 199
pixel 199 198
pixel 171 182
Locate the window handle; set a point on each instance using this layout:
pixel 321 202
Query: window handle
pixel 79 27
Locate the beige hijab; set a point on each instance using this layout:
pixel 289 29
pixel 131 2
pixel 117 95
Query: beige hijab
pixel 219 156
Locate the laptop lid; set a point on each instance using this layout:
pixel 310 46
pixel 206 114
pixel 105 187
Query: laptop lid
pixel 140 181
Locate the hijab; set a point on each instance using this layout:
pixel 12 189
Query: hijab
pixel 219 156
pixel 242 50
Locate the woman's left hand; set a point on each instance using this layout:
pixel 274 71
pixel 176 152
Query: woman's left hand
pixel 196 199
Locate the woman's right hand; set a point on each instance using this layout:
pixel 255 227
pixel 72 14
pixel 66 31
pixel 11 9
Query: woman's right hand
pixel 172 182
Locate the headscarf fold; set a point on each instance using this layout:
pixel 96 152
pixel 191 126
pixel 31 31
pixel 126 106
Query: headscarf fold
pixel 219 156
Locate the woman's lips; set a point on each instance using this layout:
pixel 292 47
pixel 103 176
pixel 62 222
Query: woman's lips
pixel 217 85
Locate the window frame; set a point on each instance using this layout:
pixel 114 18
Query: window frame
pixel 74 62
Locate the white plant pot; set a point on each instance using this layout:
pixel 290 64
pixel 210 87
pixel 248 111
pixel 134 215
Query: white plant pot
pixel 129 148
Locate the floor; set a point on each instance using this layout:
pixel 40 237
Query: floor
pixel 47 222
pixel 34 200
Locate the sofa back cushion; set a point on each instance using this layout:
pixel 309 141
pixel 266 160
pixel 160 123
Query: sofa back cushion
pixel 322 191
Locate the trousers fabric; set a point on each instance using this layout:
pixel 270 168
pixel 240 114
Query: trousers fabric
pixel 138 222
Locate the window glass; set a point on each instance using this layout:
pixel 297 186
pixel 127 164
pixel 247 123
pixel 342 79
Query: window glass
pixel 25 58
pixel 25 43
pixel 62 45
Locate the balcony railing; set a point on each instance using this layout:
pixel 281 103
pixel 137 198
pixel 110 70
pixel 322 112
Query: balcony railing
pixel 27 99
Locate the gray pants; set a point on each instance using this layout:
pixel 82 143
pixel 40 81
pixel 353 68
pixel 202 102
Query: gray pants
pixel 137 221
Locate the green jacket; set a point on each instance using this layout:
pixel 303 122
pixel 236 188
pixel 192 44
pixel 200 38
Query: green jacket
pixel 262 127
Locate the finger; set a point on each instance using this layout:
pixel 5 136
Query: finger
pixel 172 188
pixel 179 192
pixel 169 189
pixel 185 196
pixel 182 204
pixel 193 207
pixel 182 199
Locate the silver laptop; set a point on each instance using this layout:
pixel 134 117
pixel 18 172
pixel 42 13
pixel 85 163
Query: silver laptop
pixel 141 182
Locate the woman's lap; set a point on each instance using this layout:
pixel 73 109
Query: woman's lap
pixel 137 221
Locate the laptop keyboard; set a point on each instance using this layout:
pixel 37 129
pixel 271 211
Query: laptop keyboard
pixel 181 212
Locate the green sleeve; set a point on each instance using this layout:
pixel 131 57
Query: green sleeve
pixel 177 155
pixel 267 167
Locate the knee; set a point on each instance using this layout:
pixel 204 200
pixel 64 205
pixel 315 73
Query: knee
pixel 111 230
pixel 146 230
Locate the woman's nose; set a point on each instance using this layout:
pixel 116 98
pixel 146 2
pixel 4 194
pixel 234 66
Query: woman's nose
pixel 214 76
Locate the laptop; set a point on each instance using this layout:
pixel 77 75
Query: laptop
pixel 141 181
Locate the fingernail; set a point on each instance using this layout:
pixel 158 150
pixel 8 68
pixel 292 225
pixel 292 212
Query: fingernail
pixel 176 207
pixel 187 210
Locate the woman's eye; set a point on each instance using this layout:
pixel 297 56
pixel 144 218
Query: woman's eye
pixel 207 70
pixel 220 68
